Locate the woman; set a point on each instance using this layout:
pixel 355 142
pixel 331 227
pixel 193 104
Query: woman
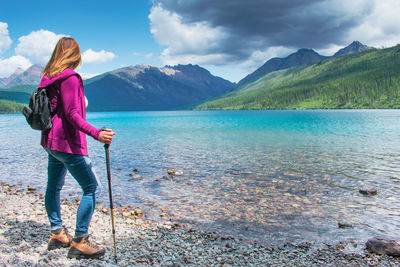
pixel 66 146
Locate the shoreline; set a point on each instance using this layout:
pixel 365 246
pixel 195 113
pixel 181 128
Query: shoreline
pixel 25 231
pixel 210 110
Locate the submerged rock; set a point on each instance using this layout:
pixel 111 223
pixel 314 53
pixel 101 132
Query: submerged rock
pixel 175 172
pixel 137 211
pixel 368 192
pixel 30 189
pixel 178 172
pixel 135 177
pixel 381 245
pixel 345 225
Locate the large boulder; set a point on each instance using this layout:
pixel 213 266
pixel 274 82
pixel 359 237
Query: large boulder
pixel 381 245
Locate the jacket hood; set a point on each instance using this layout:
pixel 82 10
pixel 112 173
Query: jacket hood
pixel 46 81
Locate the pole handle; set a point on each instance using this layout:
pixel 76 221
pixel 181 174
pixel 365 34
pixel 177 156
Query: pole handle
pixel 106 146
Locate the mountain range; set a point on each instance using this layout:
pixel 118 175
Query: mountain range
pixel 147 87
pixel 141 87
pixel 357 77
pixel 30 76
pixel 302 57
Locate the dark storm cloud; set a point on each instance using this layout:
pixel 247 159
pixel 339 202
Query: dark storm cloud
pixel 262 23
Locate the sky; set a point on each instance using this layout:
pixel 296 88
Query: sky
pixel 230 38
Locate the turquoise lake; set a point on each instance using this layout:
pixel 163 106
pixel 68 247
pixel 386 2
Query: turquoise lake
pixel 270 176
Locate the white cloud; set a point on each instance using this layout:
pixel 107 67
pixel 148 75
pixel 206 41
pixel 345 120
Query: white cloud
pixel 218 37
pixel 255 60
pixel 258 57
pixel 90 56
pixel 9 65
pixel 186 43
pixel 5 40
pixel 38 45
pixel 148 55
pixel 88 75
pixel 331 49
pixel 381 27
pixel 213 59
pixel 199 43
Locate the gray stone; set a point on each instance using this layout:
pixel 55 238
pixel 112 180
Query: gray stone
pixel 381 245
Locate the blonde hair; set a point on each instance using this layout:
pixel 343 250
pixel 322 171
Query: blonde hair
pixel 66 54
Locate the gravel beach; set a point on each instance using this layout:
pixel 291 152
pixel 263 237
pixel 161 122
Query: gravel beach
pixel 25 231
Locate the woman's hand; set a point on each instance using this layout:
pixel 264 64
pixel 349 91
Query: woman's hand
pixel 106 136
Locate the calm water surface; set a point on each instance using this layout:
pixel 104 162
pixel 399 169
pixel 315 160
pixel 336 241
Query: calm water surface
pixel 271 176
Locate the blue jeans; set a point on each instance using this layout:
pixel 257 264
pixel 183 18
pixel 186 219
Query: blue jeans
pixel 81 169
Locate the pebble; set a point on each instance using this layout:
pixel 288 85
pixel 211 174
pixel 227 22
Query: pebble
pixel 147 243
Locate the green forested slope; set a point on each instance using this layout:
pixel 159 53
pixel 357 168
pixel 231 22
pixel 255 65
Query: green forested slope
pixel 369 79
pixel 10 106
pixel 14 98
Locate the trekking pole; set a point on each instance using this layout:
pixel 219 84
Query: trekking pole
pixel 107 146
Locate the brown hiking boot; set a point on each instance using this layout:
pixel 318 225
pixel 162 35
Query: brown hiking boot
pixel 59 239
pixel 81 248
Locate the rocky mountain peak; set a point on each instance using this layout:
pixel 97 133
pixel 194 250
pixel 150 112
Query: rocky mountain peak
pixel 354 47
pixel 146 66
pixel 303 56
pixel 169 70
pixel 305 51
pixel 147 87
pixel 18 71
pixel 35 70
pixel 20 76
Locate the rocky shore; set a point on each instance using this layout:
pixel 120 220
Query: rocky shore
pixel 24 233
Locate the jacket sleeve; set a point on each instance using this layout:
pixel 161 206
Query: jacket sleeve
pixel 72 107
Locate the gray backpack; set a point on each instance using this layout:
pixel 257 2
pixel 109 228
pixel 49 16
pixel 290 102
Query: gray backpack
pixel 38 114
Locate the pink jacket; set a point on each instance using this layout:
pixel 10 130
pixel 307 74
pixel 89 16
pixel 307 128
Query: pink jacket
pixel 69 130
